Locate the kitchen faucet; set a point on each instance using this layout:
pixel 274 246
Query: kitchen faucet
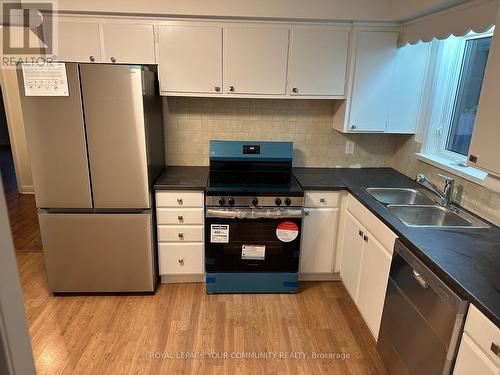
pixel 445 195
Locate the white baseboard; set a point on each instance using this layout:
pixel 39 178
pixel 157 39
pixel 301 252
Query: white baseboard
pixel 191 278
pixel 27 189
pixel 319 277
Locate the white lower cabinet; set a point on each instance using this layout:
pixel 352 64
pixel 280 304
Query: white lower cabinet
pixel 479 348
pixel 352 247
pixel 373 278
pixel 366 248
pixel 319 235
pixel 180 258
pixel 180 232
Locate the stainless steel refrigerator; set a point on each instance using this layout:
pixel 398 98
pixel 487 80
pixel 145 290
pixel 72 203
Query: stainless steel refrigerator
pixel 94 157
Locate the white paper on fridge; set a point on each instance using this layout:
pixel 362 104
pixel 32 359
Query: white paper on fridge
pixel 219 233
pixel 45 79
pixel 253 252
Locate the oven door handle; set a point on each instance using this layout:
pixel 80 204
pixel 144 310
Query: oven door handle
pixel 254 213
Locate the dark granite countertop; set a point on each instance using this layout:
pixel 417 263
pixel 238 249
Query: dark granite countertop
pixel 317 179
pixel 182 178
pixel 467 260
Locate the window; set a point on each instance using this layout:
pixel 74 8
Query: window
pixel 455 77
pixel 467 98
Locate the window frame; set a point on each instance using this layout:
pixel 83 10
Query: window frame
pixel 446 74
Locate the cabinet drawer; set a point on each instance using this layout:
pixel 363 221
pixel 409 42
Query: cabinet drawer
pixel 180 233
pixel 182 258
pixel 384 235
pixel 179 215
pixel 179 199
pixel 322 199
pixel 483 331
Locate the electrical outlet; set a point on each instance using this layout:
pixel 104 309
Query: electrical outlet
pixel 349 148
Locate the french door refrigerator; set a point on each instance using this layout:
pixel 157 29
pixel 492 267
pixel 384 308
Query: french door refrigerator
pixel 94 156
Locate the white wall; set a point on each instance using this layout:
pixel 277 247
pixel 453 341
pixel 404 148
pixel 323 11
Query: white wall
pixel 407 9
pixel 376 10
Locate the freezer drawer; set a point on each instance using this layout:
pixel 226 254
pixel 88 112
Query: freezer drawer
pixel 98 252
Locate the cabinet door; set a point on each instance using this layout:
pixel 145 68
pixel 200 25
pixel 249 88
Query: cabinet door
pixel 318 60
pixel 319 234
pixel 79 42
pixel 373 71
pixel 374 275
pixel 352 247
pixel 255 60
pixel 129 44
pixel 472 360
pixel 484 143
pixel 190 59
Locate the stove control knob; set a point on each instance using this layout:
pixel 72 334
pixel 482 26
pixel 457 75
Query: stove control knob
pixel 222 202
pixel 255 201
pixel 288 201
pixel 277 201
pixel 231 201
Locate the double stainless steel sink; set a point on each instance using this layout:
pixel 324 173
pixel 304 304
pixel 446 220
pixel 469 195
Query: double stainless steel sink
pixel 419 208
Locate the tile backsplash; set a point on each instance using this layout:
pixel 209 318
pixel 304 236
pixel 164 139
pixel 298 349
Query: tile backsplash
pixel 191 122
pixel 476 198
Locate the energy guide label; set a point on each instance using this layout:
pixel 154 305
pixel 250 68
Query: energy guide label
pixel 219 233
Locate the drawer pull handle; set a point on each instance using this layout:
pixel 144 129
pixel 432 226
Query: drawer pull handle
pixel 306 213
pixel 179 200
pixel 361 233
pixel 181 261
pixel 180 234
pixel 495 349
pixel 180 218
pixel 322 200
pixel 365 237
pixel 420 280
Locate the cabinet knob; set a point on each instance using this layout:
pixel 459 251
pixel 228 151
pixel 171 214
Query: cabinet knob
pixel 180 218
pixel 360 233
pixel 365 237
pixel 295 90
pixel 91 58
pixel 113 60
pixel 353 126
pixel 181 261
pixel 306 213
pixel 495 349
pixel 231 88
pixel 217 89
pixel 180 235
pixel 179 201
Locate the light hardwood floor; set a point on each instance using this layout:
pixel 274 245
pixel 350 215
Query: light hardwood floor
pixel 118 334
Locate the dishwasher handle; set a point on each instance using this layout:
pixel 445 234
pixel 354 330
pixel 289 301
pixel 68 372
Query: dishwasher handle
pixel 420 280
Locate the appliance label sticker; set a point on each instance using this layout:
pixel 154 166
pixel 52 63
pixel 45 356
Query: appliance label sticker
pixel 219 233
pixel 45 80
pixel 287 231
pixel 253 252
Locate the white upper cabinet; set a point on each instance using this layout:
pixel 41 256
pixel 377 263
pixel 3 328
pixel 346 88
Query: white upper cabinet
pixel 79 42
pixel 128 43
pixel 190 59
pixel 372 80
pixel 483 150
pixel 255 60
pixel 318 61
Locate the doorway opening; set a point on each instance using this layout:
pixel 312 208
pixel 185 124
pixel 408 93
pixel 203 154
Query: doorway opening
pixel 22 208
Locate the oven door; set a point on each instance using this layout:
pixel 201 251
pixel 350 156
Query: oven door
pixel 252 239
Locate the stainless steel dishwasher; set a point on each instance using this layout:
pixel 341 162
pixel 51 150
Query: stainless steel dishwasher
pixel 422 319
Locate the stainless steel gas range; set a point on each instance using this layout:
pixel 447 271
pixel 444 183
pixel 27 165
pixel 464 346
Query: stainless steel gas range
pixel 253 218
